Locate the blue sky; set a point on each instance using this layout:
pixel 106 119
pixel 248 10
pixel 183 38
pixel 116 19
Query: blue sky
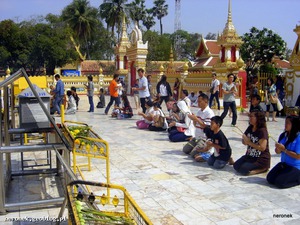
pixel 197 16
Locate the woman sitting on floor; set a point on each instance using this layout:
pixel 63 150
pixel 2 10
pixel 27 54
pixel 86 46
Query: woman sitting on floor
pixel 159 121
pixel 185 130
pixel 71 109
pixel 126 111
pixel 287 173
pixel 257 158
pixel 147 116
pixel 175 114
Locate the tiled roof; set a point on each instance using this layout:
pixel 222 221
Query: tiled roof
pixel 212 47
pixel 94 65
pixel 282 64
pixel 213 61
pixel 200 63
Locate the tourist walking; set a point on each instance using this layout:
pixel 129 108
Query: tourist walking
pixel 90 93
pixel 58 92
pixel 271 99
pixel 163 90
pixel 214 91
pixel 229 90
pixel 113 92
pixel 143 88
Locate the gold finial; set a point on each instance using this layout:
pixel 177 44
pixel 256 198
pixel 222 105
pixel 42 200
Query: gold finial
pixel 229 24
pixel 100 70
pixel 161 68
pixel 185 66
pixel 171 54
pixel 56 71
pixel 7 71
pixel 240 62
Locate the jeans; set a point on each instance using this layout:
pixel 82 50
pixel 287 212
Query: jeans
pixel 112 99
pixel 212 96
pixel 91 102
pixel 143 102
pixel 216 163
pixel 284 176
pixel 274 105
pixel 232 105
pixel 243 166
pixel 164 98
pixel 58 102
pixel 176 136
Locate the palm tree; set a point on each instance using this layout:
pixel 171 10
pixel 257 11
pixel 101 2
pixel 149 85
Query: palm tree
pixel 160 10
pixel 82 19
pixel 112 11
pixel 148 20
pixel 137 10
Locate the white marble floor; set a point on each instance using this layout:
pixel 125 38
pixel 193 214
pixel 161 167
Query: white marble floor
pixel 173 189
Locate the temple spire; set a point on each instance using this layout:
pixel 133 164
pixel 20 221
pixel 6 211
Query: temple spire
pixel 229 25
pixel 124 29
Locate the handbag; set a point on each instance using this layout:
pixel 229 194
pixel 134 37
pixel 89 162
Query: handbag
pixel 273 99
pixel 211 90
pixel 159 121
pixel 279 105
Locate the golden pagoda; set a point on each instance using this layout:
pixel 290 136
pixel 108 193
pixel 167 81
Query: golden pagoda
pixel 229 42
pixel 121 51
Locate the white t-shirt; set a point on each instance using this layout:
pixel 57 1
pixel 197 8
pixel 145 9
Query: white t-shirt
pixel 120 89
pixel 159 112
pixel 143 82
pixel 205 116
pixel 163 90
pixel 216 84
pixel 148 112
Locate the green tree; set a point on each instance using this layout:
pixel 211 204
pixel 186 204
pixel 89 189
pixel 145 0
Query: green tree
pixel 137 10
pixel 260 47
pixel 49 47
pixel 13 45
pixel 158 46
pixel 82 19
pixel 188 44
pixel 34 46
pixel 148 20
pixel 112 11
pixel 160 10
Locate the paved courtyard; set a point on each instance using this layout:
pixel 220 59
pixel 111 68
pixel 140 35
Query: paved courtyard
pixel 171 188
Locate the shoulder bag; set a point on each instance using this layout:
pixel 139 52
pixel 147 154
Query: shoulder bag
pixel 273 99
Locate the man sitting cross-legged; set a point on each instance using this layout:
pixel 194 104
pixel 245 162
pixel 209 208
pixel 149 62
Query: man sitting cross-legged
pixel 201 121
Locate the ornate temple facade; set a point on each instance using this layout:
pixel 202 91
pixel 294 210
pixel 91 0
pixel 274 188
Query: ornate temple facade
pixel 292 77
